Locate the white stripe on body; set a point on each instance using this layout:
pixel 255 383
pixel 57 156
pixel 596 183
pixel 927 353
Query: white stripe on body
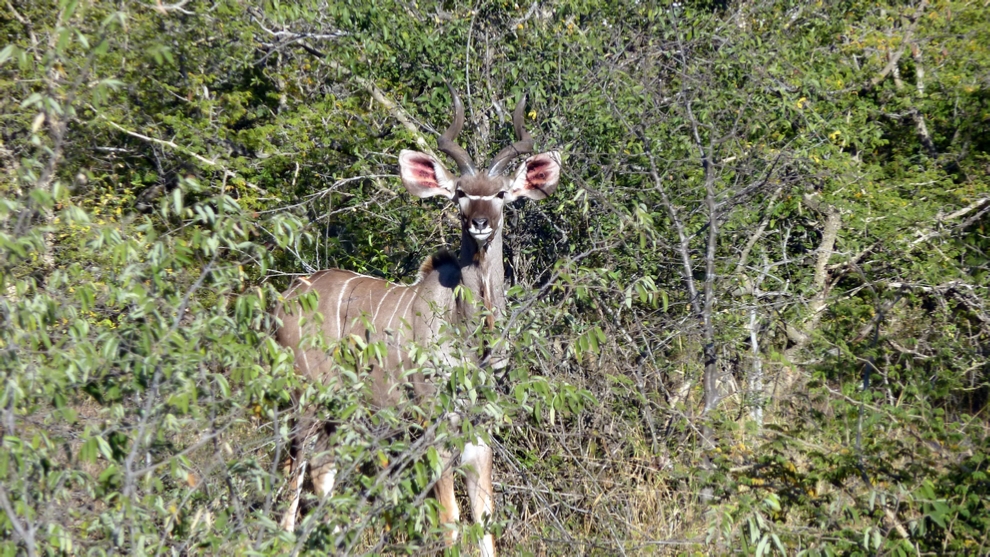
pixel 340 300
pixel 374 316
pixel 388 324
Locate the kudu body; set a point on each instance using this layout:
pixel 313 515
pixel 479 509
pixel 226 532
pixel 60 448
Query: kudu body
pixel 400 315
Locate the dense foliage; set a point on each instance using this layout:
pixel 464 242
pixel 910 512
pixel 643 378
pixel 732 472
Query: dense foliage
pixel 752 318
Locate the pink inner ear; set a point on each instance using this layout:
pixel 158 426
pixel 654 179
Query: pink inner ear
pixel 419 170
pixel 541 171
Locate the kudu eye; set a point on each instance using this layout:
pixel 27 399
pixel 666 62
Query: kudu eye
pixel 501 194
pixel 458 194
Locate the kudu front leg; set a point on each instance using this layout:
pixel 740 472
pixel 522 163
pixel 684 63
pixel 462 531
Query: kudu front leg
pixel 477 459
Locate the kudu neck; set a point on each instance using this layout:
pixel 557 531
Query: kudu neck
pixel 487 261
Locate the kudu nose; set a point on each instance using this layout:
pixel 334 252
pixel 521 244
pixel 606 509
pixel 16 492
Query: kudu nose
pixel 480 224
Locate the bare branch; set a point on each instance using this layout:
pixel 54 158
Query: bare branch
pixel 896 57
pixel 25 534
pixel 756 375
pixel 169 144
pixel 904 350
pixel 683 248
pixel 759 231
pixel 978 204
pixel 801 334
pixel 981 205
pixel 919 69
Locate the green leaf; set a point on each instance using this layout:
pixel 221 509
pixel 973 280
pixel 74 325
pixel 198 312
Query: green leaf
pixel 763 547
pixel 31 100
pixel 772 502
pixel 104 447
pixel 779 544
pixel 7 52
pixel 177 201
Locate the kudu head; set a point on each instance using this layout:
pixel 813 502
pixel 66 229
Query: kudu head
pixel 481 196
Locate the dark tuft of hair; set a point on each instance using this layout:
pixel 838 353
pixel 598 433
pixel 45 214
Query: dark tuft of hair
pixel 445 264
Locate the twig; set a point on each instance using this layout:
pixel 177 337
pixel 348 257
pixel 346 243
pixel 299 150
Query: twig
pixel 165 8
pixel 525 18
pixel 160 142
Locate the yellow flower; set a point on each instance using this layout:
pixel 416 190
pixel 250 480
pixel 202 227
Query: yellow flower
pixel 800 102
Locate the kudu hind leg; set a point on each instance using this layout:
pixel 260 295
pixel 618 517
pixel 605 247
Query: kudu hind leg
pixel 322 472
pixel 323 475
pixel 311 437
pixel 450 514
pixel 477 459
pixel 296 473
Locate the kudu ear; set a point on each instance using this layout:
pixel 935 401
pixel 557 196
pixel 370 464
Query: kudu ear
pixel 424 176
pixel 536 178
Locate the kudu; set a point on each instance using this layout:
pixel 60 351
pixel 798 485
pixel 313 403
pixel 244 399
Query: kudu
pixel 400 315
